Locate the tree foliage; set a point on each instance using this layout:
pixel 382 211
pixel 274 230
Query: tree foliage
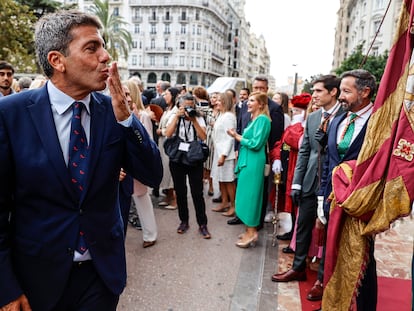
pixel 16 35
pixel 374 64
pixel 118 40
pixel 41 7
pixel 307 86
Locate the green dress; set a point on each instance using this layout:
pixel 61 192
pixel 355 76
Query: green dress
pixel 249 170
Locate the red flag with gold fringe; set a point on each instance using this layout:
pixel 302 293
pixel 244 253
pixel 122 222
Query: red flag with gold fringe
pixel 379 188
pixel 382 187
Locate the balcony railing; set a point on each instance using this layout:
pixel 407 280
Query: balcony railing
pixel 218 57
pixel 137 19
pixel 158 50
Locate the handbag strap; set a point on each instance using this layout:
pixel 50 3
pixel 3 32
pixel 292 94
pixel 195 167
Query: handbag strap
pixel 185 132
pixel 195 132
pixel 177 129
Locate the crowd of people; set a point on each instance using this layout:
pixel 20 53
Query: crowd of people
pixel 63 222
pixel 302 140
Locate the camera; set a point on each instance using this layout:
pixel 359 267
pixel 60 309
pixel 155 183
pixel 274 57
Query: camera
pixel 190 111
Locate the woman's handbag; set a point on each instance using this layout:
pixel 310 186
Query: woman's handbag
pixel 197 152
pixel 266 169
pixel 171 146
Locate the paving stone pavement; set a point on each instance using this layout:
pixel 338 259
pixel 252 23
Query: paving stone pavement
pixel 184 272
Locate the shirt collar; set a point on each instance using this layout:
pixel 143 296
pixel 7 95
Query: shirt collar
pixel 11 92
pixel 363 112
pixel 61 101
pixel 333 109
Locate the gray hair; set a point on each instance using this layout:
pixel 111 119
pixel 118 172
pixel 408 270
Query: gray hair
pixel 185 97
pixel 164 85
pixel 53 33
pixel 24 82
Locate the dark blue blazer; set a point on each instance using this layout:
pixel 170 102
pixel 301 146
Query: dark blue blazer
pixel 332 158
pixel 40 214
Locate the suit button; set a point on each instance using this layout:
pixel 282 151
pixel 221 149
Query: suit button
pixel 81 212
pixel 70 251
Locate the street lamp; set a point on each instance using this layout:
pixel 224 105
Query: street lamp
pixel 295 81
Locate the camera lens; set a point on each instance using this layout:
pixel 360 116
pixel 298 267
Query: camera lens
pixel 191 112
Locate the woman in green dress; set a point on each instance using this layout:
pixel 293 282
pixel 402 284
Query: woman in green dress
pixel 250 167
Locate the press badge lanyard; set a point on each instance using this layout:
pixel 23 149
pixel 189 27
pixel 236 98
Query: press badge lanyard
pixel 184 146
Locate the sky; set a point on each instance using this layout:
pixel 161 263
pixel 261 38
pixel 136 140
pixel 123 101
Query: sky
pixel 297 32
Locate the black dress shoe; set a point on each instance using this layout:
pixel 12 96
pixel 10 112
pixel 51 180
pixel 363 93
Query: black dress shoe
pixel 217 200
pixel 234 221
pixel 288 250
pixel 284 237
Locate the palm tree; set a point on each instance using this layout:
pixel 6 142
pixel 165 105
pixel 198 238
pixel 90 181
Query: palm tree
pixel 118 40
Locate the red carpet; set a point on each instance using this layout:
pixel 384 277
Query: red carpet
pixel 393 294
pixel 304 288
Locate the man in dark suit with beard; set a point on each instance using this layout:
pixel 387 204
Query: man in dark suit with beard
pixel 345 138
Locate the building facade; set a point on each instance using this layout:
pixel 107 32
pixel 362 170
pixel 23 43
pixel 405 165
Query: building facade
pixel 188 42
pixel 357 25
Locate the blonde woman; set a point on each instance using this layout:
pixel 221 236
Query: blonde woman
pixel 140 194
pixel 250 167
pixel 224 155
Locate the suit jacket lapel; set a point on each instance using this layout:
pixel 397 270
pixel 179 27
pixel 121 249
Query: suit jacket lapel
pixel 98 117
pixel 358 141
pixel 334 132
pixel 41 114
pixel 315 122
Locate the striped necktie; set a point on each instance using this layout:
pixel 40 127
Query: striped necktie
pixel 77 164
pixel 347 136
pixel 78 149
pixel 325 121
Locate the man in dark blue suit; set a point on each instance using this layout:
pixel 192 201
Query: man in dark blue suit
pixel 61 246
pixel 345 137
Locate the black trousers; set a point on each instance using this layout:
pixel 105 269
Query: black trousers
pixel 306 222
pixel 265 202
pixel 368 291
pixel 85 291
pixel 179 173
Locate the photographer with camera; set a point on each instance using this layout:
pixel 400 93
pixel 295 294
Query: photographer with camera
pixel 189 126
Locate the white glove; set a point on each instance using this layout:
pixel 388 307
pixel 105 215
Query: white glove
pixel 277 166
pixel 320 213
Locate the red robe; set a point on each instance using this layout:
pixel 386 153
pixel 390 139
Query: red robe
pixel 290 140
